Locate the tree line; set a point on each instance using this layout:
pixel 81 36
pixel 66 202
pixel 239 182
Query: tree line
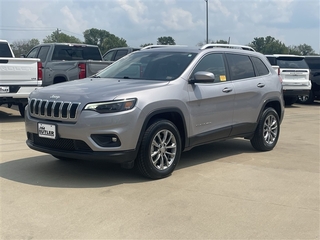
pixel 106 41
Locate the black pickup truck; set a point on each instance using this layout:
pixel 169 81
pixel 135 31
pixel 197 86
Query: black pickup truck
pixel 63 62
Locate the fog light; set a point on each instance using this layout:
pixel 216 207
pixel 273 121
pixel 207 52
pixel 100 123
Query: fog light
pixel 106 140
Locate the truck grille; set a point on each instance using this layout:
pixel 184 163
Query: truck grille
pixel 55 110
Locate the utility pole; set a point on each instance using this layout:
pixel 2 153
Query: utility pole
pixel 207 39
pixel 58 34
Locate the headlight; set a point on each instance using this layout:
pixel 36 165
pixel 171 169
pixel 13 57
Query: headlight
pixel 113 106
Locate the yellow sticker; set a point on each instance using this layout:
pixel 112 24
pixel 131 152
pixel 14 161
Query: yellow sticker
pixel 223 78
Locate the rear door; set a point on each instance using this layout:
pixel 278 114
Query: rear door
pixel 250 86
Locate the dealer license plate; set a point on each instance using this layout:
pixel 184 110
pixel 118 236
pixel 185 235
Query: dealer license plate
pixel 47 130
pixel 4 89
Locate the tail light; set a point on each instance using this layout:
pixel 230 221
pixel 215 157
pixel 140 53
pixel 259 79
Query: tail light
pixel 82 73
pixel 40 71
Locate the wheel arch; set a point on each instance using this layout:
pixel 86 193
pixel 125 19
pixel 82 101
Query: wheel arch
pixel 276 105
pixel 59 79
pixel 174 115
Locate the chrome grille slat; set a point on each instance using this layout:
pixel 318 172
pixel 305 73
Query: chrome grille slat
pixel 54 110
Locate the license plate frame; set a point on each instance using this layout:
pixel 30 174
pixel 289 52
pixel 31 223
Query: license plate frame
pixel 46 130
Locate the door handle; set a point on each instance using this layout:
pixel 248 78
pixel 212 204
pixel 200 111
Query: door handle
pixel 260 85
pixel 226 90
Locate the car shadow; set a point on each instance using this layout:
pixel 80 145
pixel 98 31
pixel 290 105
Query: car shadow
pixel 48 171
pixel 10 116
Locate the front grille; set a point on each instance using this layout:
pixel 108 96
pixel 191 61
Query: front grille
pixel 56 110
pixel 59 144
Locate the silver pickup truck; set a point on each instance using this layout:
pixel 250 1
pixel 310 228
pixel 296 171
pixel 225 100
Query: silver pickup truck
pixel 64 62
pixel 18 77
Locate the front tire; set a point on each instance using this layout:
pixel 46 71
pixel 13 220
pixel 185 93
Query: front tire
pixel 267 132
pixel 160 150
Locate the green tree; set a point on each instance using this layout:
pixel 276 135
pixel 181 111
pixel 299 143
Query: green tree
pixel 166 41
pixel 268 45
pixel 146 44
pixel 23 46
pixel 200 44
pixel 60 37
pixel 302 49
pixel 103 39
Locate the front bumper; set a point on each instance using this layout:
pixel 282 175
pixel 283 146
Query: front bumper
pixel 77 140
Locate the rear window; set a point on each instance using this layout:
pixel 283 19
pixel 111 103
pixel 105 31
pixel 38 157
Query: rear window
pixel 69 53
pixel 5 50
pixel 292 62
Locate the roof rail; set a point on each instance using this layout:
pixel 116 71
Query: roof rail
pixel 159 46
pixel 212 45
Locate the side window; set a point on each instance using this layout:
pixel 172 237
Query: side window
pixel 261 69
pixel 120 54
pixel 240 66
pixel 43 53
pixel 109 56
pixel 33 53
pixel 212 63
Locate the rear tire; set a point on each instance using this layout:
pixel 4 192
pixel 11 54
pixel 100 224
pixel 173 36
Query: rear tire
pixel 160 150
pixel 267 132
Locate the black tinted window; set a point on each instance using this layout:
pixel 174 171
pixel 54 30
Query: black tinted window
pixel 261 68
pixel 292 62
pixel 43 53
pixel 5 50
pixel 240 66
pixel 212 63
pixel 73 52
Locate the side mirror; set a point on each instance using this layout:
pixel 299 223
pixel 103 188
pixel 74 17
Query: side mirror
pixel 23 55
pixel 202 77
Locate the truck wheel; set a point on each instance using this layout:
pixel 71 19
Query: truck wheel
pixel 160 150
pixel 306 99
pixel 267 132
pixel 22 109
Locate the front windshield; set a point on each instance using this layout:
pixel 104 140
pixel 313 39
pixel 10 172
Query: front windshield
pixel 149 66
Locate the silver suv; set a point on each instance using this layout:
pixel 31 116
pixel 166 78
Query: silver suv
pixel 149 106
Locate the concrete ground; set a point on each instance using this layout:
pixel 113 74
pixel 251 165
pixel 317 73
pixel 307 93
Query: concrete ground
pixel 223 190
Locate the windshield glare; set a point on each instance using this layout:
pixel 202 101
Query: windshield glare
pixel 149 66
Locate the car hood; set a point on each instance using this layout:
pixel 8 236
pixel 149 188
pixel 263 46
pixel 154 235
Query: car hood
pixel 94 89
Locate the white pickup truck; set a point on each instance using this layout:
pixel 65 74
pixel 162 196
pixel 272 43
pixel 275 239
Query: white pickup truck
pixel 18 77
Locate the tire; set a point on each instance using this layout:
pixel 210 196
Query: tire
pixel 267 132
pixel 160 150
pixel 288 101
pixel 22 107
pixel 306 99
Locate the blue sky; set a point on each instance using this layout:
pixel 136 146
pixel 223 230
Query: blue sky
pixel 293 22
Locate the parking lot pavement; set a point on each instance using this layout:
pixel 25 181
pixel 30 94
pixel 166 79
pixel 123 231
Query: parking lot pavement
pixel 223 190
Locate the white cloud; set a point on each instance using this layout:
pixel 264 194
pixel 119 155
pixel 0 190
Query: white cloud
pixel 134 8
pixel 179 20
pixel 29 19
pixel 73 20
